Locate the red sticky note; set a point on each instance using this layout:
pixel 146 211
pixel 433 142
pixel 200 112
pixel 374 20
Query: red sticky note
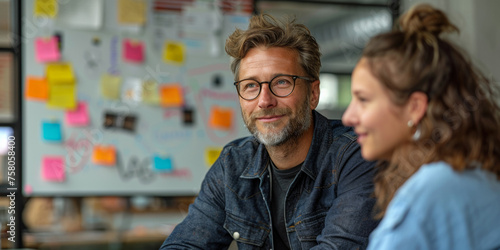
pixel 221 118
pixel 133 51
pixel 53 168
pixel 104 155
pixel 79 116
pixel 47 49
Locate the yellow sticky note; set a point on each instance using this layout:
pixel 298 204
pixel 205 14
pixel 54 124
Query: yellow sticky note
pixel 46 8
pixel 221 118
pixel 37 88
pixel 111 86
pixel 62 96
pixel 104 155
pixel 171 95
pixel 132 11
pixel 150 94
pixel 211 155
pixel 173 52
pixel 60 73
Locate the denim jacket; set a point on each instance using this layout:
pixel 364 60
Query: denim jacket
pixel 328 205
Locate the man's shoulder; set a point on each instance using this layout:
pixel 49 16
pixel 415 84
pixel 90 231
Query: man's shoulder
pixel 339 130
pixel 335 127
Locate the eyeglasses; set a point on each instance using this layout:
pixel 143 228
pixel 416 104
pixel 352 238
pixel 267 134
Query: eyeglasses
pixel 280 86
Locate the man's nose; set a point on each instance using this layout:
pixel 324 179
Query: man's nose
pixel 266 98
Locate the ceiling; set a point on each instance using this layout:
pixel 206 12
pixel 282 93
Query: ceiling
pixel 341 28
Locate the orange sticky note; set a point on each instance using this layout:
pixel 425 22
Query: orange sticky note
pixel 53 168
pixel 37 88
pixel 79 116
pixel 221 118
pixel 171 95
pixel 104 155
pixel 47 49
pixel 173 52
pixel 133 51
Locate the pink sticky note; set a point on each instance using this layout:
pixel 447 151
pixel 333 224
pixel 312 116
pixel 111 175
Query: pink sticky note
pixel 133 51
pixel 53 168
pixel 79 116
pixel 47 49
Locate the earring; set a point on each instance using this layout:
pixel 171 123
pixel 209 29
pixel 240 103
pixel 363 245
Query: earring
pixel 417 133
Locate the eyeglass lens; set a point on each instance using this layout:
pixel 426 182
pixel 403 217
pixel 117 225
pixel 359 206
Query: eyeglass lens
pixel 280 86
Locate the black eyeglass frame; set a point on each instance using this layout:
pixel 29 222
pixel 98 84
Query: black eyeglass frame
pixel 294 77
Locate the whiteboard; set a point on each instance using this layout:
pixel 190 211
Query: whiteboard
pixel 96 48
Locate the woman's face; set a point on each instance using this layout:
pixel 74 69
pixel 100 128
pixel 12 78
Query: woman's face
pixel 381 126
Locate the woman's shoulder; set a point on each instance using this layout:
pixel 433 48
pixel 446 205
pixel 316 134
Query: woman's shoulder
pixel 439 183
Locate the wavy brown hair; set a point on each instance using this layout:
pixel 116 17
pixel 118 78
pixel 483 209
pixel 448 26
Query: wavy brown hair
pixel 266 31
pixel 462 121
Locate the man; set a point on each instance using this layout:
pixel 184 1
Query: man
pixel 299 182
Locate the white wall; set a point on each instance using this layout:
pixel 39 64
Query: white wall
pixel 479 32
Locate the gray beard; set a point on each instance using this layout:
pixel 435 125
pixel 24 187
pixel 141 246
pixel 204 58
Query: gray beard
pixel 291 132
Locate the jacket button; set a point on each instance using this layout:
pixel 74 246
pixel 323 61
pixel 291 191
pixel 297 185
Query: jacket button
pixel 236 235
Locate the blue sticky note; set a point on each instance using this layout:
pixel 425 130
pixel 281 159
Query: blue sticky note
pixel 162 164
pixel 51 131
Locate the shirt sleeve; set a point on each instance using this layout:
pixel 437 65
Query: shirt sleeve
pixel 349 221
pixel 203 226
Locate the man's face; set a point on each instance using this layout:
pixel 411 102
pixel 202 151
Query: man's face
pixel 275 120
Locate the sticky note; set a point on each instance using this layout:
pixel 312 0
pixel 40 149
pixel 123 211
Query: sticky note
pixel 51 131
pixel 60 73
pixel 62 96
pixel 47 49
pixel 133 51
pixel 221 118
pixel 173 52
pixel 46 8
pixel 111 86
pixel 188 116
pixel 132 11
pixel 171 95
pixel 150 94
pixel 162 164
pixel 37 88
pixel 132 90
pixel 79 116
pixel 110 120
pixel 104 155
pixel 53 168
pixel 211 155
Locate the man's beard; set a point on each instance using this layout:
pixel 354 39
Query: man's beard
pixel 292 131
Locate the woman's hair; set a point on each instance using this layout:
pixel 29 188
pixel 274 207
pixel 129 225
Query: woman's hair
pixel 265 31
pixel 461 124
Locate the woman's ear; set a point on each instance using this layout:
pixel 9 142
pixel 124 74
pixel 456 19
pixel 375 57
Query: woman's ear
pixel 417 106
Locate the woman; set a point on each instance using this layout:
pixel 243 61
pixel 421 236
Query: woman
pixel 431 119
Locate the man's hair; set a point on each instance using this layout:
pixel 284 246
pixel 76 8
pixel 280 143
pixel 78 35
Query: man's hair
pixel 461 125
pixel 265 31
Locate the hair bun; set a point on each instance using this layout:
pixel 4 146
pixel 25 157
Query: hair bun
pixel 424 18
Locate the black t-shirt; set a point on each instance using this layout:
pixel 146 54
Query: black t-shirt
pixel 281 180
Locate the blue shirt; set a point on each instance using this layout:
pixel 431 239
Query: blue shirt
pixel 327 206
pixel 439 208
